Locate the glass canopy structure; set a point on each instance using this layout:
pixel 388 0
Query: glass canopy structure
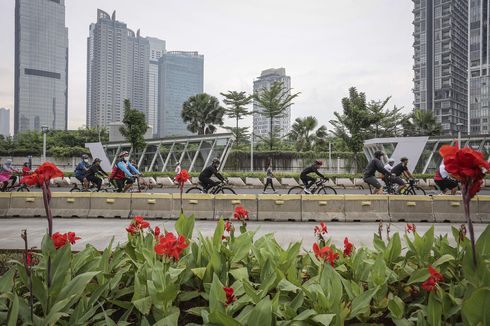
pixel 160 155
pixel 423 152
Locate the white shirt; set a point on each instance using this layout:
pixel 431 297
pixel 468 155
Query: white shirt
pixel 177 169
pixel 388 167
pixel 442 171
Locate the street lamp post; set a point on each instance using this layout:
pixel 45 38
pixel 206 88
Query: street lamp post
pixel 251 151
pixel 460 126
pixel 329 156
pixel 44 130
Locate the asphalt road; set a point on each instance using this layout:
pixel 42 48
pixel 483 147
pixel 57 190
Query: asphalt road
pixel 98 232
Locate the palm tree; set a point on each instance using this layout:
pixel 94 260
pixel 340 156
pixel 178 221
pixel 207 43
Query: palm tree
pixel 237 109
pixel 421 123
pixel 202 112
pixel 305 136
pixel 273 102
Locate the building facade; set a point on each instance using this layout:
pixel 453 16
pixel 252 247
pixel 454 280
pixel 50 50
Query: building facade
pixel 4 122
pixel 181 75
pixel 479 66
pixel 441 61
pixel 41 65
pixel 117 69
pixel 157 49
pixel 261 124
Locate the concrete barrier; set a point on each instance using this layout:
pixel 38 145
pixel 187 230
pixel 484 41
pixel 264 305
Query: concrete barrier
pixel 152 205
pixel 366 208
pixel 4 203
pixel 110 205
pixel 165 182
pixel 70 204
pixel 484 209
pixel 236 181
pixel 225 205
pixel 279 208
pixel 26 204
pixel 323 208
pixel 344 182
pixel 450 209
pixel 275 182
pixel 487 183
pixel 410 208
pixel 199 205
pixel 290 182
pixel 253 182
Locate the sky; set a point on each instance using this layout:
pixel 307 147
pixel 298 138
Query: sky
pixel 326 46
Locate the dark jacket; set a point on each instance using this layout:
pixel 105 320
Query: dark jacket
pixel 311 169
pixel 208 172
pixel 373 166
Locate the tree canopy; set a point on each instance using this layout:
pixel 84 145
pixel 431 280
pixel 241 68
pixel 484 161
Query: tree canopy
pixel 202 113
pixel 135 126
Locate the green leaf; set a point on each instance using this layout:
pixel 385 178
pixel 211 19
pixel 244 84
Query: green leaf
pixel 420 275
pixel 241 247
pixel 262 313
pixel 396 307
pixel 305 314
pixel 13 314
pixel 143 305
pixel 239 274
pixel 77 285
pixel 220 318
pixel 171 319
pixel 475 309
pixel 324 319
pixel 185 226
pixel 361 303
pixel 393 250
pixel 217 296
pixel 286 286
pixel 7 281
pixel 218 232
pixel 443 259
pixel 199 272
pixel 434 310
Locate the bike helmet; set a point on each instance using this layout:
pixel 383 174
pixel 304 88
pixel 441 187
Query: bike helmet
pixel 124 153
pixel 84 156
pixel 216 160
pixel 97 160
pixel 318 162
pixel 404 159
pixel 378 154
pixel 391 160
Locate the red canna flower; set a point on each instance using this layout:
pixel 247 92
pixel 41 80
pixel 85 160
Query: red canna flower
pixel 240 213
pixel 137 225
pixel 347 247
pixel 435 274
pixel 45 172
pixel 171 246
pixel 410 228
pixel 156 231
pixel 434 278
pixel 59 240
pixel 182 177
pixel 230 297
pixel 223 238
pixel 326 253
pixel 228 226
pixel 321 229
pixel 31 261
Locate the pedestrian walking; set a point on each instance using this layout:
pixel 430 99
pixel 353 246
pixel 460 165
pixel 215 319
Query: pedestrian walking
pixel 268 182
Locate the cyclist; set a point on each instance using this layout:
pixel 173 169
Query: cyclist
pixel 390 164
pixel 92 172
pixel 123 173
pixel 207 173
pixel 26 170
pixel 401 170
pixel 370 170
pixel 7 174
pixel 444 181
pixel 81 171
pixel 307 180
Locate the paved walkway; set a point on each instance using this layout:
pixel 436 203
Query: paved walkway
pixel 98 232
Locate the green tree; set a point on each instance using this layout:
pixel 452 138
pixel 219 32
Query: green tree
pixel 273 102
pixel 421 123
pixel 237 109
pixel 385 122
pixel 202 113
pixel 135 126
pixel 304 135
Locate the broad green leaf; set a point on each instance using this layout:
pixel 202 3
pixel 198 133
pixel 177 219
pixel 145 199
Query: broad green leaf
pixel 77 285
pixel 220 318
pixel 420 275
pixel 241 247
pixel 475 309
pixel 443 259
pixel 362 302
pixel 217 296
pixel 286 286
pixel 434 310
pixel 174 273
pixel 396 307
pixel 185 226
pixel 199 272
pixel 305 314
pixel 13 314
pixel 262 313
pixel 7 281
pixel 171 319
pixel 143 305
pixel 393 250
pixel 240 274
pixel 218 232
pixel 323 319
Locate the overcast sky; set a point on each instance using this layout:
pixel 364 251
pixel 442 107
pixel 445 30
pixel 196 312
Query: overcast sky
pixel 326 46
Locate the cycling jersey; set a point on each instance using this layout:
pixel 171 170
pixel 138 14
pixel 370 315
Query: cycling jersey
pixel 399 169
pixel 373 166
pixel 311 169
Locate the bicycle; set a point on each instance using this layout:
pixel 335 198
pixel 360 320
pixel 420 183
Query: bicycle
pixel 318 188
pixel 142 185
pixel 19 187
pixel 220 188
pixel 392 188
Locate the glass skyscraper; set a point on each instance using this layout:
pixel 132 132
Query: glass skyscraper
pixel 181 76
pixel 41 65
pixel 157 49
pixel 479 76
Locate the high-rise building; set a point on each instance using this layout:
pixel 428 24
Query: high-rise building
pixel 117 69
pixel 181 76
pixel 4 122
pixel 441 61
pixel 41 65
pixel 157 49
pixel 261 124
pixel 479 62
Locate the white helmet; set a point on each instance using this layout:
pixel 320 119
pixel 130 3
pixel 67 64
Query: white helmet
pixel 390 160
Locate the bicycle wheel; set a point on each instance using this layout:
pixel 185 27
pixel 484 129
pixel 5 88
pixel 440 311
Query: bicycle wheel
pixel 415 191
pixel 194 190
pixel 75 189
pixel 227 190
pixel 296 190
pixel 326 190
pixel 23 188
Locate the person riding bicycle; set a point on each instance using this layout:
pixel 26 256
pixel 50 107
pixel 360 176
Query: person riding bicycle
pixel 26 170
pixel 376 165
pixel 92 172
pixel 81 171
pixel 401 170
pixel 390 164
pixel 444 181
pixel 207 173
pixel 7 174
pixel 123 173
pixel 307 180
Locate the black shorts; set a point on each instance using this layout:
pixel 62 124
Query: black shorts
pixel 446 184
pixel 372 181
pixel 121 182
pixel 80 179
pixel 399 181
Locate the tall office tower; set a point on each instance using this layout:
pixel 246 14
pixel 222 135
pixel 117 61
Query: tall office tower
pixel 441 61
pixel 181 76
pixel 117 69
pixel 479 62
pixel 261 124
pixel 4 122
pixel 157 49
pixel 41 65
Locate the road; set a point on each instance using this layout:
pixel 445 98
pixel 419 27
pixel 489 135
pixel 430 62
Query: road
pixel 98 232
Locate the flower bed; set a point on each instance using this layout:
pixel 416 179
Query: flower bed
pixel 168 278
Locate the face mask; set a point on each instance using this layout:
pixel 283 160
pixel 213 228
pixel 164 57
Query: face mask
pixel 86 160
pixel 126 159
